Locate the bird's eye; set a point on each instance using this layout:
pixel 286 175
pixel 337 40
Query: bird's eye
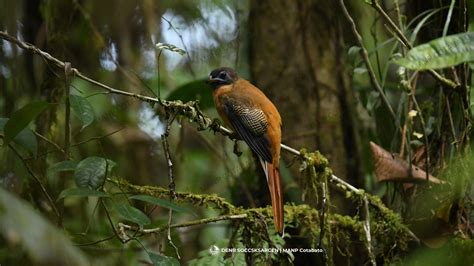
pixel 222 75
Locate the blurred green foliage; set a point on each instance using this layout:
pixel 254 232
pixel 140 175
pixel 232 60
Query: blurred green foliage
pixel 114 137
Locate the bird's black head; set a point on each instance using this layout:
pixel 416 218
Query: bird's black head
pixel 222 76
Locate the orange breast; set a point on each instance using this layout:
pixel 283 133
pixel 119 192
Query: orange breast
pixel 249 95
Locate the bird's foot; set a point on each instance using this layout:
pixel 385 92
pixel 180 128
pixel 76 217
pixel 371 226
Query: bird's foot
pixel 215 125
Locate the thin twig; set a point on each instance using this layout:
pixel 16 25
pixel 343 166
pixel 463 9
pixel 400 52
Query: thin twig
pixel 95 242
pixel 67 116
pixel 171 186
pixel 67 133
pixel 72 145
pixel 368 237
pixel 425 135
pixel 403 39
pixel 170 215
pixel 97 138
pixel 186 224
pixel 180 36
pixel 43 188
pixel 365 57
pixel 166 149
pixel 451 123
pixel 124 238
pixel 346 185
pixel 50 142
pixel 322 222
pixel 158 76
pixel 89 222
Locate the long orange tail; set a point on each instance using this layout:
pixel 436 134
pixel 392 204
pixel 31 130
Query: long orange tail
pixel 273 179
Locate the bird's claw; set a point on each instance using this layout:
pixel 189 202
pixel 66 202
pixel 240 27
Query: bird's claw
pixel 215 125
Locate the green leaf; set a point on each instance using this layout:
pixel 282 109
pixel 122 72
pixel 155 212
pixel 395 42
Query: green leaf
pixel 373 101
pixel 21 118
pixel 360 70
pixel 82 109
pixel 90 172
pixel 353 54
pixel 63 166
pixel 160 202
pixel 194 90
pixel 429 14
pixel 81 192
pixel 26 138
pixel 27 230
pixel 158 259
pixel 170 47
pixel 440 53
pixel 132 214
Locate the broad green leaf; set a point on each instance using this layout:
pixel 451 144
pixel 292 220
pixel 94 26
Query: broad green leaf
pixel 132 214
pixel 160 202
pixel 170 47
pixel 440 53
pixel 24 228
pixel 194 90
pixel 26 138
pixel 81 192
pixel 21 118
pixel 63 166
pixel 90 172
pixel 158 259
pixel 82 109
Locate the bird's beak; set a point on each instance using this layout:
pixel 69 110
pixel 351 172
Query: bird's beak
pixel 211 80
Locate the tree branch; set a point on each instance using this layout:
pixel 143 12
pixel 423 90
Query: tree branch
pixel 185 224
pixel 365 57
pixel 43 188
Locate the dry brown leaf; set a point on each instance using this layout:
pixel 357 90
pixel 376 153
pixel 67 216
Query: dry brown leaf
pixel 391 168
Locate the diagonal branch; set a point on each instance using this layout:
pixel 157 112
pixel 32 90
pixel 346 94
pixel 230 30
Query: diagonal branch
pixel 403 39
pixel 43 188
pixel 185 224
pixel 365 57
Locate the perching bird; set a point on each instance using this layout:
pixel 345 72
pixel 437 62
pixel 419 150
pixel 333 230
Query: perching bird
pixel 250 114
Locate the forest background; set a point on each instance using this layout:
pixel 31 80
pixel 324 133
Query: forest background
pixel 111 155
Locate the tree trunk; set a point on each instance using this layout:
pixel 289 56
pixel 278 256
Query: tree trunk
pixel 297 59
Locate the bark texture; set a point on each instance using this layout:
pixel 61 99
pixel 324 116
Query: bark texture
pixel 297 57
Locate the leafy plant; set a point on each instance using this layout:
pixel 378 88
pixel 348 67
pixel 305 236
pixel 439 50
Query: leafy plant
pixel 440 53
pixel 21 118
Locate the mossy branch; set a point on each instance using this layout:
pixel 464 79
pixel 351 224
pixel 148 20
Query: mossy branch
pixel 206 200
pixel 391 232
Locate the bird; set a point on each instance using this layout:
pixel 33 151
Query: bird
pixel 254 119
